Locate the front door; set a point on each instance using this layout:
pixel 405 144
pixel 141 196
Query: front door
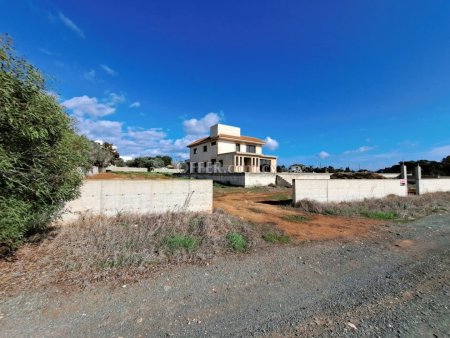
pixel 247 164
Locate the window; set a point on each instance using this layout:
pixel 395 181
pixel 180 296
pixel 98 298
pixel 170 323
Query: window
pixel 238 147
pixel 205 149
pixel 213 143
pixel 195 150
pixel 251 149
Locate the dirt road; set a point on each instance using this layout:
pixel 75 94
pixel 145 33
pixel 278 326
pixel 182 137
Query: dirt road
pixel 268 207
pixel 391 285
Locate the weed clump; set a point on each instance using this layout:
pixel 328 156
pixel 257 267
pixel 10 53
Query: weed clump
pixel 176 242
pixel 236 241
pixel 275 238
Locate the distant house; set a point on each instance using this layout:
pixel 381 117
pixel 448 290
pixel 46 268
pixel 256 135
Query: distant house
pixel 225 150
pixel 296 168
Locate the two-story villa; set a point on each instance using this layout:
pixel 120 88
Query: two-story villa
pixel 225 150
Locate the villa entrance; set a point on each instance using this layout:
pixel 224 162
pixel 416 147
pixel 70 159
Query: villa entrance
pixel 247 164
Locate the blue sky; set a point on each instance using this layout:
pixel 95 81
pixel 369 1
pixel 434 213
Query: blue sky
pixel 358 83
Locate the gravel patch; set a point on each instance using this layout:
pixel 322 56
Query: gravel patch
pixel 395 284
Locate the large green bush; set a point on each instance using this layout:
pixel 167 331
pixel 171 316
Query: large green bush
pixel 40 153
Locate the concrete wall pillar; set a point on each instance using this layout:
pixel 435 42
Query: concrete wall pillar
pixel 418 177
pixel 418 172
pixel 403 172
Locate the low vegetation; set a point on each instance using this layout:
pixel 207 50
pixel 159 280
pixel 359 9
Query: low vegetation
pixel 236 241
pixel 124 247
pixel 122 175
pixel 389 208
pixel 357 176
pixel 275 237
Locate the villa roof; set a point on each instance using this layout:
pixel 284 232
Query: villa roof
pixel 226 137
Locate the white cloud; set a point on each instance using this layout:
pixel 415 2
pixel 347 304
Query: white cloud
pixel 440 152
pixel 108 70
pixel 106 130
pixel 89 75
pixel 361 149
pixel 145 135
pixel 200 126
pixel 271 143
pixel 136 104
pixel 70 24
pixel 90 106
pixel 114 98
pixel 323 154
pixel 88 112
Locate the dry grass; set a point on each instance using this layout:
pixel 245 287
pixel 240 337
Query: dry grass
pixel 391 207
pixel 123 248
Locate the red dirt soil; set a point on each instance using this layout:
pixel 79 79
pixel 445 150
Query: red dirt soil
pixel 263 208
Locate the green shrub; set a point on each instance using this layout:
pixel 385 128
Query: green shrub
pixel 14 217
pixel 379 214
pixel 40 153
pixel 176 242
pixel 274 237
pixel 236 241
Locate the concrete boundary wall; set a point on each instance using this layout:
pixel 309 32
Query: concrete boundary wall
pixel 235 179
pixel 428 185
pixel 246 180
pixel 259 179
pixel 126 169
pixel 110 197
pixel 289 177
pixel 346 190
pixel 169 171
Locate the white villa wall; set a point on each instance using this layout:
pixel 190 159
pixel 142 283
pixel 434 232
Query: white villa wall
pixel 224 147
pixel 110 197
pixel 258 149
pixel 346 190
pixel 203 156
pixel 224 129
pixel 426 185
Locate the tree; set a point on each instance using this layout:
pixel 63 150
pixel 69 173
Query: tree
pixel 102 155
pixel 146 162
pixel 113 150
pixel 281 169
pixel 166 159
pixel 446 166
pixel 40 152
